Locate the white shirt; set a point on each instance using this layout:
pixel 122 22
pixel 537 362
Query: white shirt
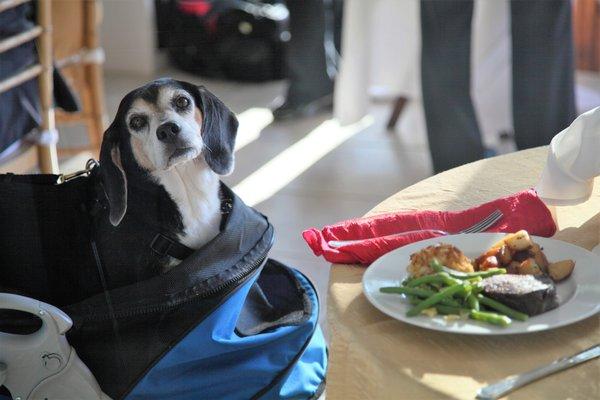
pixel 573 162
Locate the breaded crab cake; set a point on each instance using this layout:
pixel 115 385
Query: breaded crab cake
pixel 446 254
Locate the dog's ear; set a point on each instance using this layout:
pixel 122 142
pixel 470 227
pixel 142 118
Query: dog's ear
pixel 113 175
pixel 219 128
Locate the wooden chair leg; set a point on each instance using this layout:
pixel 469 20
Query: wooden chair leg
pixel 397 110
pixel 47 156
pixel 94 76
pixel 98 114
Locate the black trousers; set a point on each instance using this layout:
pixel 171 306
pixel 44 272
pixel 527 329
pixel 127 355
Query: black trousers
pixel 312 56
pixel 542 70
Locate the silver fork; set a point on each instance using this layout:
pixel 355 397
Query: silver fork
pixel 480 226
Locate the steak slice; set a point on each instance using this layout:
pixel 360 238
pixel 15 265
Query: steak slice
pixel 526 293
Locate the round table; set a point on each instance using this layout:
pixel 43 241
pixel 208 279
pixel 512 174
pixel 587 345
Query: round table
pixel 375 357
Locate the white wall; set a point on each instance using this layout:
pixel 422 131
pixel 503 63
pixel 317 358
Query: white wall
pixel 129 36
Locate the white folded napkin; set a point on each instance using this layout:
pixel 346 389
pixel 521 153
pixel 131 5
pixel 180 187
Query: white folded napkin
pixel 573 162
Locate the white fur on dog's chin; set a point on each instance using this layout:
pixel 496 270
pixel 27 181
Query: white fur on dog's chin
pixel 189 157
pixel 194 188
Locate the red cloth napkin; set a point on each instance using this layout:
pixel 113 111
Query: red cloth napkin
pixel 523 210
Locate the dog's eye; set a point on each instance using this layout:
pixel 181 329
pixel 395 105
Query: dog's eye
pixel 137 122
pixel 182 102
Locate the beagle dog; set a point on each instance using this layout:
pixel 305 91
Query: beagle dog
pixel 160 163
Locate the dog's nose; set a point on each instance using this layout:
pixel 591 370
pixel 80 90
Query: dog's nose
pixel 167 131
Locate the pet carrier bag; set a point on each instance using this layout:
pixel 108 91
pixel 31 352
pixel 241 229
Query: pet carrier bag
pixel 226 323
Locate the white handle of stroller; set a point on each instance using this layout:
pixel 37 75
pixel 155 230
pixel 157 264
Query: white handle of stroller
pixel 42 365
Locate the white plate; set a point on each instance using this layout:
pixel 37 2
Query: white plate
pixel 578 296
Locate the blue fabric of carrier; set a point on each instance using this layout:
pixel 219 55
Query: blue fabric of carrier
pixel 282 360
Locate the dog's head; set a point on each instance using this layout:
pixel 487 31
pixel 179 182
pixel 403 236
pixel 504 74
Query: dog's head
pixel 164 124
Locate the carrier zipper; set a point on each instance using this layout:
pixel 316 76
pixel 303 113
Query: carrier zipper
pixel 147 310
pixel 237 278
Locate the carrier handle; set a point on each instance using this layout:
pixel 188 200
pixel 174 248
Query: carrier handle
pixel 42 310
pixel 54 324
pixel 42 365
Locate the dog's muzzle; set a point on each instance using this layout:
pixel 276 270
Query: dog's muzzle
pixel 168 132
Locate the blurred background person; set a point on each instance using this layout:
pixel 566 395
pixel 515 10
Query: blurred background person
pixel 312 56
pixel 542 76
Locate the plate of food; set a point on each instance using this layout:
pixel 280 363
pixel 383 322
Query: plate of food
pixel 486 283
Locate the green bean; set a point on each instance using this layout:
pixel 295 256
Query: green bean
pixel 440 277
pixel 432 300
pixel 406 290
pixel 465 291
pixel 490 318
pixel 450 303
pixel 423 293
pixel 468 275
pixel 450 281
pixel 436 266
pixel 447 310
pixel 406 280
pixel 496 305
pixel 455 273
pixel 426 279
pixel 443 309
pixel 490 272
pixel 473 302
pixel 477 289
pixel 436 287
pixel 413 300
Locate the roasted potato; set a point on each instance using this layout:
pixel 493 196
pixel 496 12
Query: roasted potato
pixel 504 255
pixel 479 261
pixel 487 263
pixel 561 270
pixel 540 258
pixel 521 256
pixel 513 267
pixel 501 242
pixel 530 267
pixel 518 241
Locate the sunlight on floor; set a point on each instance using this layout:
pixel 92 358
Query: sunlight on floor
pixel 293 161
pixel 252 122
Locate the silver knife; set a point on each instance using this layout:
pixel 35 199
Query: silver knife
pixel 501 388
